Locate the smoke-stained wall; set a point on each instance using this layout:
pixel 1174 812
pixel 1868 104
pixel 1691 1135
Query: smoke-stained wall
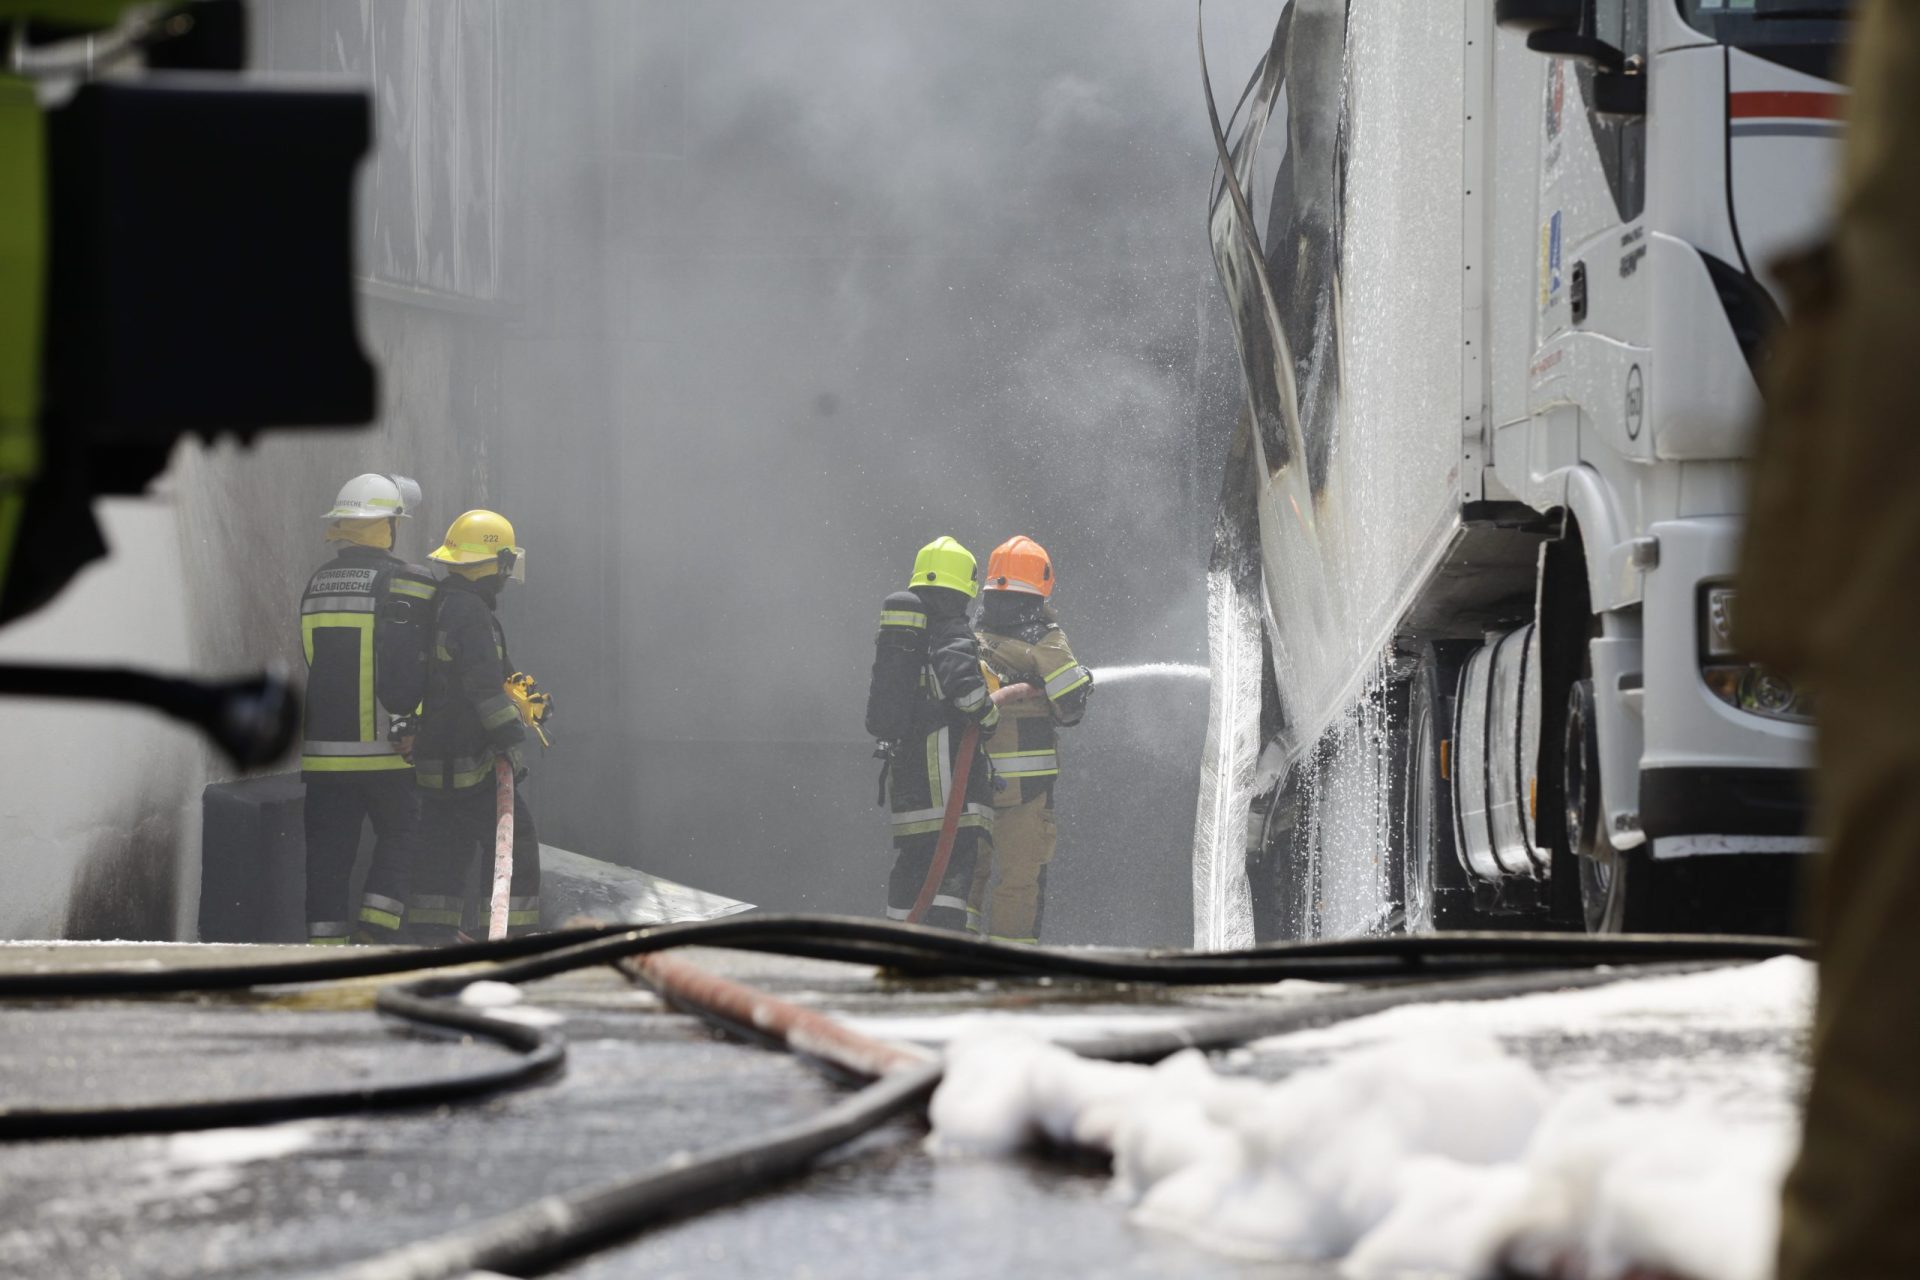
pixel 100 804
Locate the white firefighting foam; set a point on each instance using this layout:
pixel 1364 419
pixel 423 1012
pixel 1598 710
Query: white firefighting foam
pixel 1432 1152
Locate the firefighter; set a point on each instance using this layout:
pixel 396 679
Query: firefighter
pixel 928 689
pixel 1827 596
pixel 468 720
pixel 1022 643
pixel 351 616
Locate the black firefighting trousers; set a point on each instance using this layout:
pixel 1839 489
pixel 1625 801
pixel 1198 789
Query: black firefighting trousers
pixel 336 806
pixel 457 837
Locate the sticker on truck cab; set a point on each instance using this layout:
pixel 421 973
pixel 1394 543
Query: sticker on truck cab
pixel 1550 262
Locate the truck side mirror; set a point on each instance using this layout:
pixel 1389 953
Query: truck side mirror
pixel 1556 29
pixel 1589 51
pixel 1529 16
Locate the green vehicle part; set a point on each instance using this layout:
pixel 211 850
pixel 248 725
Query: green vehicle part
pixel 23 241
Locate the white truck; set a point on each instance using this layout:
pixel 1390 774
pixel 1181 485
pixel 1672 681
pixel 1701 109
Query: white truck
pixel 1500 273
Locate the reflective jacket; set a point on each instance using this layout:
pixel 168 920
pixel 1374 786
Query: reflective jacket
pixel 343 725
pixel 1023 643
pixel 953 690
pixel 467 718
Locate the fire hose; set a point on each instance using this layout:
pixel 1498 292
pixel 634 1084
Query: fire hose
pixel 957 802
pixel 949 824
pixel 895 1079
pixel 502 849
pixel 903 948
pixel 539 1235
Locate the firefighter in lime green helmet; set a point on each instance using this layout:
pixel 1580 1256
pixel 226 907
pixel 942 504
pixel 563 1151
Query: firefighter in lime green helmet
pixel 927 691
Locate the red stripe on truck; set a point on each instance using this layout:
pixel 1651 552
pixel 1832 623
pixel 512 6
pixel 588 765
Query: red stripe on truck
pixel 1786 105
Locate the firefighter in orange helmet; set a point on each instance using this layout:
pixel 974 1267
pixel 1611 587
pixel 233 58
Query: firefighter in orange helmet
pixel 1021 643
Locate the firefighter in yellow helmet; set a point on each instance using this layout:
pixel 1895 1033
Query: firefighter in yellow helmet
pixel 362 618
pixel 1022 644
pixel 467 721
pixel 927 689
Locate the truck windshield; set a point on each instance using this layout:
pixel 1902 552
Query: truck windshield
pixel 1807 35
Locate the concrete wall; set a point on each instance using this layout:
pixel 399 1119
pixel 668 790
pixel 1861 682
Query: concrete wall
pixel 100 805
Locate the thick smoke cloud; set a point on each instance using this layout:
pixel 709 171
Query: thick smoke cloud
pixel 900 270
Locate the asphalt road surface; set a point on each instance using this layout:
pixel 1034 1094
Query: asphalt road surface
pixel 641 1084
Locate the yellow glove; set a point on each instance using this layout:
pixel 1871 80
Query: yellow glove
pixel 531 702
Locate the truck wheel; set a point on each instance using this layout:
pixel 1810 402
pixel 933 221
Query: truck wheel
pixel 1434 892
pixel 1601 869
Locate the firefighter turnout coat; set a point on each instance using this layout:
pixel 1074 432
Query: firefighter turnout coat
pixel 467 718
pixel 951 694
pixel 341 615
pixel 1022 643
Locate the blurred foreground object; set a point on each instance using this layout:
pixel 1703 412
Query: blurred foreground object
pixel 1830 570
pixel 175 259
pixel 253 720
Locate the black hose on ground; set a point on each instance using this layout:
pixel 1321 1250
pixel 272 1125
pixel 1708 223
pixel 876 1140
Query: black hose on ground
pixel 537 1237
pixel 540 1053
pixel 1232 1030
pixel 338 965
pixel 916 948
pixel 910 948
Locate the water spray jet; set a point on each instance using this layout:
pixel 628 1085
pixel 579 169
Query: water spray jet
pixel 1105 676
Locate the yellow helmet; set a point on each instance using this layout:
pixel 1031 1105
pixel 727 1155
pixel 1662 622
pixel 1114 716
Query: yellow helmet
pixel 480 544
pixel 945 563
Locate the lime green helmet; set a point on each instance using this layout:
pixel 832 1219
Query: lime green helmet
pixel 944 563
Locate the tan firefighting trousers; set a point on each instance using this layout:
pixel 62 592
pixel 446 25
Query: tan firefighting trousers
pixel 1005 900
pixel 1831 594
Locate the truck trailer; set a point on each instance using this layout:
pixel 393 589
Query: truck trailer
pixel 1501 275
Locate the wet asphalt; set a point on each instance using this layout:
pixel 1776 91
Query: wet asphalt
pixel 641 1084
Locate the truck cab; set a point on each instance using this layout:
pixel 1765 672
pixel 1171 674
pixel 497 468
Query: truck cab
pixel 1563 726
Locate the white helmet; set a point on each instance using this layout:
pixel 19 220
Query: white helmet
pixel 371 496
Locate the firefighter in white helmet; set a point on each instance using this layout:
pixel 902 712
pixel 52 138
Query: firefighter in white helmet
pixel 361 620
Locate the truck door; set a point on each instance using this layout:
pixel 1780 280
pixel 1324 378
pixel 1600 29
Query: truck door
pixel 1602 293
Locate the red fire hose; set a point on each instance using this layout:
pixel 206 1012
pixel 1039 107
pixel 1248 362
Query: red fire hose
pixel 759 1015
pixel 949 824
pixel 956 801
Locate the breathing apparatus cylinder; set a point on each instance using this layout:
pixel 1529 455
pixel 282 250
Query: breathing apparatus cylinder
pixel 899 656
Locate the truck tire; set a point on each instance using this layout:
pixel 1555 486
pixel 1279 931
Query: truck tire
pixel 1434 889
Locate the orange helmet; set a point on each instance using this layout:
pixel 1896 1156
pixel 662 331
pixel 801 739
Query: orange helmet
pixel 1020 564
